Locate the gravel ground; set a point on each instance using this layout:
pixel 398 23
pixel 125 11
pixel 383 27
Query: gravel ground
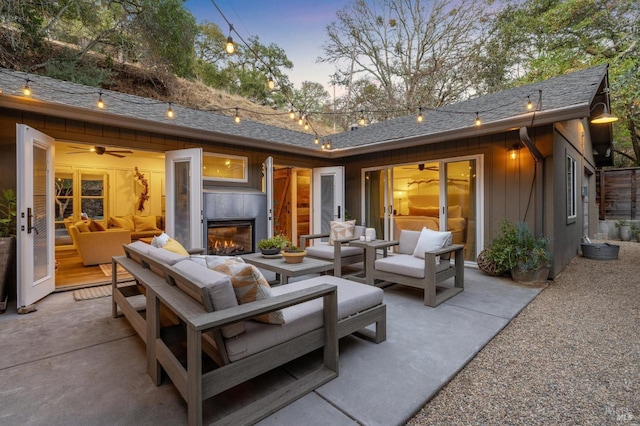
pixel 571 357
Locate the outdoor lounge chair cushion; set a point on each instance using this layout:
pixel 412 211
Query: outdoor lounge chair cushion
pixel 250 285
pixel 341 230
pixel 217 292
pixel 165 256
pixel 407 264
pixel 325 251
pixel 431 240
pixel 352 298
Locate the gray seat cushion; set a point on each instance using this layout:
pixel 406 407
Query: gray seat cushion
pixel 407 264
pixel 325 251
pixel 352 298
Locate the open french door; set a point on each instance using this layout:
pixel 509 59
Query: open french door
pixel 268 188
pixel 183 191
pixel 328 197
pixel 35 223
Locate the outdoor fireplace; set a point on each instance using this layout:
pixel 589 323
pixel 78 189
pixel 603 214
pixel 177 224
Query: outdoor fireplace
pixel 230 237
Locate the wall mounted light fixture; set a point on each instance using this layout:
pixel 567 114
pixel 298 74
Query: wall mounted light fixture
pixel 604 117
pixel 513 151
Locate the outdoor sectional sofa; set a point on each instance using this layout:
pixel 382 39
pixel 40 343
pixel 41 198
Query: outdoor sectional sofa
pixel 198 307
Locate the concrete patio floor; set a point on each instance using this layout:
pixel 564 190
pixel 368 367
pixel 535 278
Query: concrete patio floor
pixel 71 363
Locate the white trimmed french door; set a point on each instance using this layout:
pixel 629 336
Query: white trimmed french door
pixel 328 197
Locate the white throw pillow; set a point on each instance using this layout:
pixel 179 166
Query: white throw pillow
pixel 160 241
pixel 431 240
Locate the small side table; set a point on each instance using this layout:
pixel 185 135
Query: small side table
pixel 370 253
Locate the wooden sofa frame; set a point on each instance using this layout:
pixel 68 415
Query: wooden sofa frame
pixel 167 289
pixel 433 293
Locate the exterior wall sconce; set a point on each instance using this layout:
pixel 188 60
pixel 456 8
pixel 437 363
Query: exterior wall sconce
pixel 605 117
pixel 513 151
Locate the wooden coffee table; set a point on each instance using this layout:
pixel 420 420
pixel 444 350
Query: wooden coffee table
pixel 285 270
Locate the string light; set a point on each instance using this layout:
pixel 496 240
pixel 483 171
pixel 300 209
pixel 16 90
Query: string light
pixel 362 120
pixel 306 125
pixel 478 122
pixel 26 90
pixel 292 114
pixel 316 140
pixel 230 48
pixel 100 101
pixel 420 117
pixel 236 118
pixel 300 121
pixel 270 83
pixel 170 111
pixel 529 103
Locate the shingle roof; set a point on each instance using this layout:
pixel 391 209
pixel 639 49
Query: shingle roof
pixel 569 91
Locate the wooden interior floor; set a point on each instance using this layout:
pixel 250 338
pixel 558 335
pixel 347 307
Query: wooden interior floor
pixel 72 274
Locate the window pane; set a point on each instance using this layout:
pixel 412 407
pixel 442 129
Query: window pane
pixel 93 207
pixel 219 167
pixel 92 185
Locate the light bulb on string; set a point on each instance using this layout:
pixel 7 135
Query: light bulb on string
pixel 316 140
pixel 231 47
pixel 169 111
pixel 420 117
pixel 26 90
pixel 292 114
pixel 306 125
pixel 529 103
pixel 478 122
pixel 271 84
pixel 362 120
pixel 300 121
pixel 100 103
pixel 236 118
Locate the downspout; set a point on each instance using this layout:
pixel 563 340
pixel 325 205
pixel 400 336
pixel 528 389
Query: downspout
pixel 539 160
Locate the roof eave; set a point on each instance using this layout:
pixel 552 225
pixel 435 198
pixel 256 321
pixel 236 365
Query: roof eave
pixel 511 123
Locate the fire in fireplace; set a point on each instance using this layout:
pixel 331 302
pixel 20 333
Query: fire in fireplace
pixel 230 237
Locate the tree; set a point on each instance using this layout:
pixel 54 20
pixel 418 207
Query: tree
pixel 310 98
pixel 538 39
pixel 411 53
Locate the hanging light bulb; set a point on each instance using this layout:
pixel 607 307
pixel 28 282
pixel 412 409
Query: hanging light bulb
pixel 478 122
pixel 529 103
pixel 170 111
pixel 420 117
pixel 300 121
pixel 236 118
pixel 316 140
pixel 306 125
pixel 100 101
pixel 328 145
pixel 271 84
pixel 362 120
pixel 230 48
pixel 26 90
pixel 292 114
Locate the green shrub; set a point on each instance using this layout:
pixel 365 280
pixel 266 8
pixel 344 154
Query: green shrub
pixel 516 246
pixel 279 241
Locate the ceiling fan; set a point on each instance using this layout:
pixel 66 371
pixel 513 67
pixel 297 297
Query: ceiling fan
pixel 100 150
pixel 422 167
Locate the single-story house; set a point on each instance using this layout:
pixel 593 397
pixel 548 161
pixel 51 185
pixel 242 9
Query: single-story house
pixel 527 153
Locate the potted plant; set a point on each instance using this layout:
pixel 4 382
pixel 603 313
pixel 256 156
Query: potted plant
pixel 272 246
pixel 293 254
pixel 635 231
pixel 515 249
pixel 7 240
pixel 625 229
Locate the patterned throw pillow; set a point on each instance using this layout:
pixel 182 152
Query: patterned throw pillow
pixel 249 286
pixel 341 230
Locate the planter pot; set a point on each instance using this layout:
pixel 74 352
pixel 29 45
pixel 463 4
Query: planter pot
pixel 270 252
pixel 625 232
pixel 294 257
pixel 604 251
pixel 530 276
pixel 7 255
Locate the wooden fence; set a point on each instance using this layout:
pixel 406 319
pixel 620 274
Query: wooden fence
pixel 618 193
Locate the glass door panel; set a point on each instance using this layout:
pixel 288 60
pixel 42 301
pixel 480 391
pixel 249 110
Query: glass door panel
pixel 461 204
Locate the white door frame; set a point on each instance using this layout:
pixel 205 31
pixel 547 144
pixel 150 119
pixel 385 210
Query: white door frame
pixel 35 226
pixel 192 237
pixel 337 211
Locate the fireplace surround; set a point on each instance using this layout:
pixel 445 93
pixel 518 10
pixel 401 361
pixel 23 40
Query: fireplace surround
pixel 234 217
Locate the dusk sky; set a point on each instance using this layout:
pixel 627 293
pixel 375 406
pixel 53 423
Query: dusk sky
pixel 297 26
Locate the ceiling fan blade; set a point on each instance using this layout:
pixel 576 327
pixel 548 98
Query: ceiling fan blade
pixel 80 148
pixel 115 155
pixel 119 152
pixel 79 152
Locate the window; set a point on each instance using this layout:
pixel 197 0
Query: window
pixel 92 195
pixel 230 168
pixel 572 188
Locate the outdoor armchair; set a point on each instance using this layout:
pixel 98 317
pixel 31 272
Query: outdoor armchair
pixel 340 253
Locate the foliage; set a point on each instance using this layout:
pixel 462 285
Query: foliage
pixel 8 213
pixel 293 249
pixel 622 222
pixel 537 39
pixel 279 241
pixel 405 53
pixel 516 246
